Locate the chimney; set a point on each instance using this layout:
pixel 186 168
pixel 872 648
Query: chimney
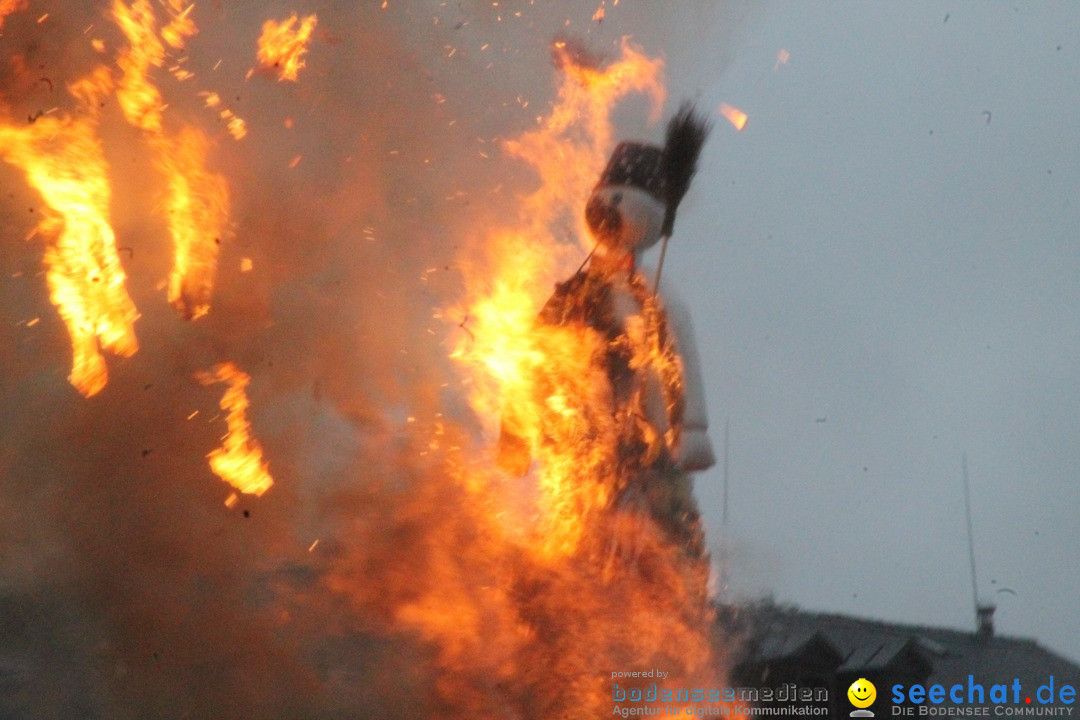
pixel 984 621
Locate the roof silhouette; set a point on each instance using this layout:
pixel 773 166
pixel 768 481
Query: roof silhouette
pixel 765 635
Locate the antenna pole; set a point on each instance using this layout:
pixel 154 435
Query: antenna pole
pixel 723 563
pixel 727 444
pixel 971 537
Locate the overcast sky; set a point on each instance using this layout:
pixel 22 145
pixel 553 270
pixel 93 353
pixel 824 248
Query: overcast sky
pixel 885 273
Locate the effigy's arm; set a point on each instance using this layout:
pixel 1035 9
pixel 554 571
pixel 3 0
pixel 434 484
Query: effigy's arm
pixel 694 451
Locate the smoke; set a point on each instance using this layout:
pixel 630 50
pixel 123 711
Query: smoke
pixel 127 588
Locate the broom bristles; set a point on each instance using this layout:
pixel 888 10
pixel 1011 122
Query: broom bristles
pixel 686 134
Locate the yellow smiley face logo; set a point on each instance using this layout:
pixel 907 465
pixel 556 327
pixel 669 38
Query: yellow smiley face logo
pixel 862 693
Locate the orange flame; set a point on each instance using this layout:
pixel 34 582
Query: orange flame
pixel 139 98
pixel 734 115
pixel 196 207
pixel 196 201
pixel 507 351
pixel 63 160
pixel 570 147
pixel 239 459
pixel 180 26
pixel 283 48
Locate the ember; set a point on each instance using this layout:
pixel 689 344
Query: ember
pixel 734 115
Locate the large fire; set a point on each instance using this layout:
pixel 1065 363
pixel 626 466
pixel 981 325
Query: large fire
pixel 63 160
pixel 197 201
pixel 515 595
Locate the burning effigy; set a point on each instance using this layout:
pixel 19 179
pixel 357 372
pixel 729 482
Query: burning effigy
pixel 595 405
pixel 646 361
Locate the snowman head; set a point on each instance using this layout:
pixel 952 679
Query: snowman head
pixel 626 211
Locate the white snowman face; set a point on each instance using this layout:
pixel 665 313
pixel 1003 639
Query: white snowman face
pixel 624 218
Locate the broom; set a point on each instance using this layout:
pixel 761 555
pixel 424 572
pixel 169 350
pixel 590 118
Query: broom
pixel 686 134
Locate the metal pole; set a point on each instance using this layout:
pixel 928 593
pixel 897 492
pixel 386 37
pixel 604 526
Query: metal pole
pixel 971 539
pixel 727 440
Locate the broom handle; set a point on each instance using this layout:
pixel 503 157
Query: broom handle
pixel 588 257
pixel 660 265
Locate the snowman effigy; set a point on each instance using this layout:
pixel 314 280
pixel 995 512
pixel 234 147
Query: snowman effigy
pixel 654 394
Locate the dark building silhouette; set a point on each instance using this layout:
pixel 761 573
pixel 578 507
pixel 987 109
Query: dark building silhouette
pixel 773 646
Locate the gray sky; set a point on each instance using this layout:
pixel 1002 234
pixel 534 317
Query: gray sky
pixel 890 245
